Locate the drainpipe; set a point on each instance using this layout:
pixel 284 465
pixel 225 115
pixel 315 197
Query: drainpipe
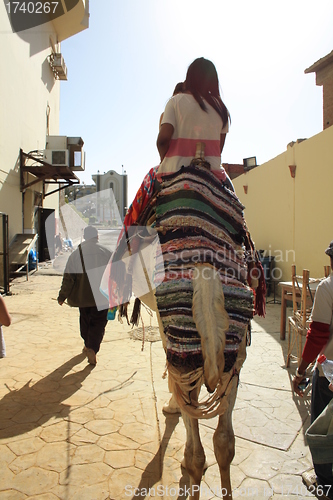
pixel 23 212
pixel 21 183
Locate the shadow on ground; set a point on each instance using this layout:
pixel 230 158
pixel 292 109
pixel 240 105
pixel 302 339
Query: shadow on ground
pixel 271 325
pixel 154 470
pixel 33 405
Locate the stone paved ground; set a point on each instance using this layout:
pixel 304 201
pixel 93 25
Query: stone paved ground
pixel 72 432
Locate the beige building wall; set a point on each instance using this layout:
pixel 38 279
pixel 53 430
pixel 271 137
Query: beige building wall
pixel 291 218
pixel 29 93
pixel 29 106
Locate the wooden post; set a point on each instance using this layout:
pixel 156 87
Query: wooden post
pixel 293 279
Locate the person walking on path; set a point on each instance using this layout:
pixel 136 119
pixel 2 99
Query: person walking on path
pixel 5 320
pixel 80 286
pixel 319 339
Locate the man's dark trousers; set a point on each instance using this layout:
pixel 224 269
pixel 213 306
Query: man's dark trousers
pixel 92 326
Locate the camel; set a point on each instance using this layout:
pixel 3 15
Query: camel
pixel 204 337
pixel 212 323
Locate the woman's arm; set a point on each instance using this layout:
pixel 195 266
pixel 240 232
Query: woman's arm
pixel 164 138
pixel 5 318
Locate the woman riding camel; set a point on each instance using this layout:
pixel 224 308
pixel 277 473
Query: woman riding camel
pixel 204 303
pixel 194 114
pixel 197 114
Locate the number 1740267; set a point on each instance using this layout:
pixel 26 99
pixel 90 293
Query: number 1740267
pixel 319 491
pixel 32 7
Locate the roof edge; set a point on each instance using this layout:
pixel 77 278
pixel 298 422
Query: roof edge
pixel 320 64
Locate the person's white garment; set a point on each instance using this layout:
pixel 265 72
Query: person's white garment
pixel 2 344
pixel 323 312
pixel 191 125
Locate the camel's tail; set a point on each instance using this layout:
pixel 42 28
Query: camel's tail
pixel 212 321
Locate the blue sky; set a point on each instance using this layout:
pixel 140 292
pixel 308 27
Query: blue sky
pixel 122 70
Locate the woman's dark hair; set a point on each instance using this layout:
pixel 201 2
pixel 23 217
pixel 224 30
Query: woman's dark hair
pixel 179 88
pixel 203 83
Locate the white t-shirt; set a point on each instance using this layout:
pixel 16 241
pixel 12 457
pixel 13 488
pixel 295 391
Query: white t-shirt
pixel 323 312
pixel 191 125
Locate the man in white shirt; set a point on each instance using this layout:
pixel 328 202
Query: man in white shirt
pixel 319 339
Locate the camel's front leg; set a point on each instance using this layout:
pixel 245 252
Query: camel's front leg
pixel 194 456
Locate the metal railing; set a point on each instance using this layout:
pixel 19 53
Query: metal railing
pixel 4 254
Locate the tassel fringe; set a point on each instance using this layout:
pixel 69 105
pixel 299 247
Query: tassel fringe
pixel 136 313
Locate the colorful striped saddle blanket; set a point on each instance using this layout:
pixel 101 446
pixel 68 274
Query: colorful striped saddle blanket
pixel 200 221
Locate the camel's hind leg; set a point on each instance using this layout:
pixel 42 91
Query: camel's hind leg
pixel 224 442
pixel 194 456
pixel 224 438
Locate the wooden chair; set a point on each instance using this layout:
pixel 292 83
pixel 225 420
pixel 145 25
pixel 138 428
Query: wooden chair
pixel 299 321
pixel 327 271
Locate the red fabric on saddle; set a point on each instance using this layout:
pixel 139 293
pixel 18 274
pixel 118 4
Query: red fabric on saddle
pixel 141 199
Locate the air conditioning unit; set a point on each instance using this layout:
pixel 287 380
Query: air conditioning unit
pixel 58 66
pixel 57 157
pixel 56 142
pixel 63 150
